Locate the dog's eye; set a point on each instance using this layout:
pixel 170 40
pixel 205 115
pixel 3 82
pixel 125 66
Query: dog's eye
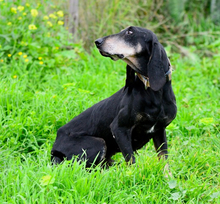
pixel 129 32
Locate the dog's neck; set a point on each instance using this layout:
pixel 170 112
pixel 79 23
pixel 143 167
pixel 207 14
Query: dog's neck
pixel 146 81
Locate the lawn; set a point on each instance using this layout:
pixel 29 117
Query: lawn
pixel 43 85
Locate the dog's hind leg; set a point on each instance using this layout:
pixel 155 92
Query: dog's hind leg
pixel 84 148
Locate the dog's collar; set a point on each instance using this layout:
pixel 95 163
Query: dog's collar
pixel 146 81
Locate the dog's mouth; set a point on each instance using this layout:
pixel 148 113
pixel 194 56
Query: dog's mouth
pixel 114 57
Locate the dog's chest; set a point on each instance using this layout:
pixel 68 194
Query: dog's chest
pixel 143 130
pixel 151 130
pixel 144 124
pixel 141 134
pixel 147 124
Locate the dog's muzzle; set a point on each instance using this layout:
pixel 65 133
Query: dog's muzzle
pixel 99 43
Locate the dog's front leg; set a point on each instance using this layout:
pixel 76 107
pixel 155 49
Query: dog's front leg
pixel 160 144
pixel 123 138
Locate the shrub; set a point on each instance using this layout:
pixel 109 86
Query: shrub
pixel 32 35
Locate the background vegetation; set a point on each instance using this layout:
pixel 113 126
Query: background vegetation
pixel 47 78
pixel 185 23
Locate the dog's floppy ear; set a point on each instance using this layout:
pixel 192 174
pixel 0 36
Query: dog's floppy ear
pixel 157 65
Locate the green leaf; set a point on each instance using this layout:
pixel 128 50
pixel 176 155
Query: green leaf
pixel 7 47
pixel 83 91
pixel 189 128
pixel 7 38
pixel 215 195
pixel 206 121
pixel 46 180
pixel 175 196
pixel 172 184
pixel 172 126
pixel 68 84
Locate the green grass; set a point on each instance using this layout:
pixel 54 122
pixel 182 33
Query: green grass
pixel 38 98
pixel 36 103
pixel 30 179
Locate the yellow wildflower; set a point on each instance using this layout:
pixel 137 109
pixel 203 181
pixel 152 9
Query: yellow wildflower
pixel 14 76
pixel 24 56
pixel 20 8
pixel 60 13
pixel 54 96
pixel 45 17
pixel 27 4
pixel 40 58
pixel 52 16
pixel 24 14
pixel 23 43
pixel 49 24
pixel 20 53
pixel 60 22
pixel 34 12
pixel 13 10
pixel 9 23
pixel 26 60
pixel 19 18
pixel 9 55
pixel 32 27
pixel 1 60
pixel 41 62
pixel 57 48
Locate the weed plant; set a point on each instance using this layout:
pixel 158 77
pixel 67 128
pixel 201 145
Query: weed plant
pixel 43 85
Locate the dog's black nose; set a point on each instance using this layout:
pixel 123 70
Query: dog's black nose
pixel 98 42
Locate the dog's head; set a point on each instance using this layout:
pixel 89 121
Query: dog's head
pixel 140 49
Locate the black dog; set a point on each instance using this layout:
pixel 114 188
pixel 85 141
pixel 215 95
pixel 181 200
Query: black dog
pixel 127 120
